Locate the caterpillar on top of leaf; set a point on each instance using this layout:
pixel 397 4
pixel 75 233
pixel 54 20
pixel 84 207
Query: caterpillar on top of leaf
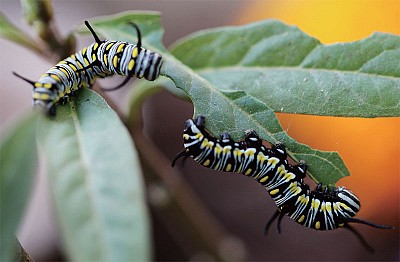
pixel 100 59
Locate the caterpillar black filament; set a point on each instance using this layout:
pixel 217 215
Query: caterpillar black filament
pixel 321 209
pixel 100 59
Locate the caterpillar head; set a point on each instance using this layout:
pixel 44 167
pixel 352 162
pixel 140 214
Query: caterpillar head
pixel 192 134
pixel 190 127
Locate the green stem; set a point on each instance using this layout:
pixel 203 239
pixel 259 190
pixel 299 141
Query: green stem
pixel 181 210
pixel 140 92
pixel 40 14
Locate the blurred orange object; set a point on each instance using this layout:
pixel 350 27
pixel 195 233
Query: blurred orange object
pixel 369 147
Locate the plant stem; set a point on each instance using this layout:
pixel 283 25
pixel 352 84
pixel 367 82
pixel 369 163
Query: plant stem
pixel 40 14
pixel 182 211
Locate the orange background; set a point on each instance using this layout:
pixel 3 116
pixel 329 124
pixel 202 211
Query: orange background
pixel 369 147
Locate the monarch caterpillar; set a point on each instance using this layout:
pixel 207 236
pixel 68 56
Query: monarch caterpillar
pixel 321 209
pixel 100 59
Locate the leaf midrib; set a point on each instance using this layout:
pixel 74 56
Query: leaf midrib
pixel 86 166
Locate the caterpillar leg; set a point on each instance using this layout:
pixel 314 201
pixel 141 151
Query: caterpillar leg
pixel 64 100
pixel 126 80
pixel 98 64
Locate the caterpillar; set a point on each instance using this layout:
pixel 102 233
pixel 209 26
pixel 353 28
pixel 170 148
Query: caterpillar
pixel 100 59
pixel 320 209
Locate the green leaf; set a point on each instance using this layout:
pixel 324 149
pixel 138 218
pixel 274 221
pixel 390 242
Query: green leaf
pixel 294 73
pixel 236 111
pixel 230 110
pixel 12 33
pixel 17 168
pixel 96 182
pixel 116 27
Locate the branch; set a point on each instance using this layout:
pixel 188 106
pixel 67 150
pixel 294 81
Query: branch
pixel 179 208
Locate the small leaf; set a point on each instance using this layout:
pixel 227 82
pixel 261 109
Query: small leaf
pixel 116 27
pixel 293 73
pixel 17 168
pixel 12 33
pixel 96 182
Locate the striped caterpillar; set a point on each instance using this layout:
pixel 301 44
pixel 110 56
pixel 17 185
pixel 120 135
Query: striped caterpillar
pixel 321 209
pixel 100 59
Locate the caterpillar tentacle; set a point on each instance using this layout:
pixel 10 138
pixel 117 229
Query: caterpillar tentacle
pixel 360 221
pixel 271 220
pixel 96 38
pixel 360 238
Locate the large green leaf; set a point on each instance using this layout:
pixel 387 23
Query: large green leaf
pixel 236 111
pixel 227 110
pixel 293 73
pixel 17 168
pixel 96 182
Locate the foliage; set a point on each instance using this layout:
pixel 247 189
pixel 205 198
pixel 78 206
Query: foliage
pixel 18 165
pixel 237 77
pixel 96 181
